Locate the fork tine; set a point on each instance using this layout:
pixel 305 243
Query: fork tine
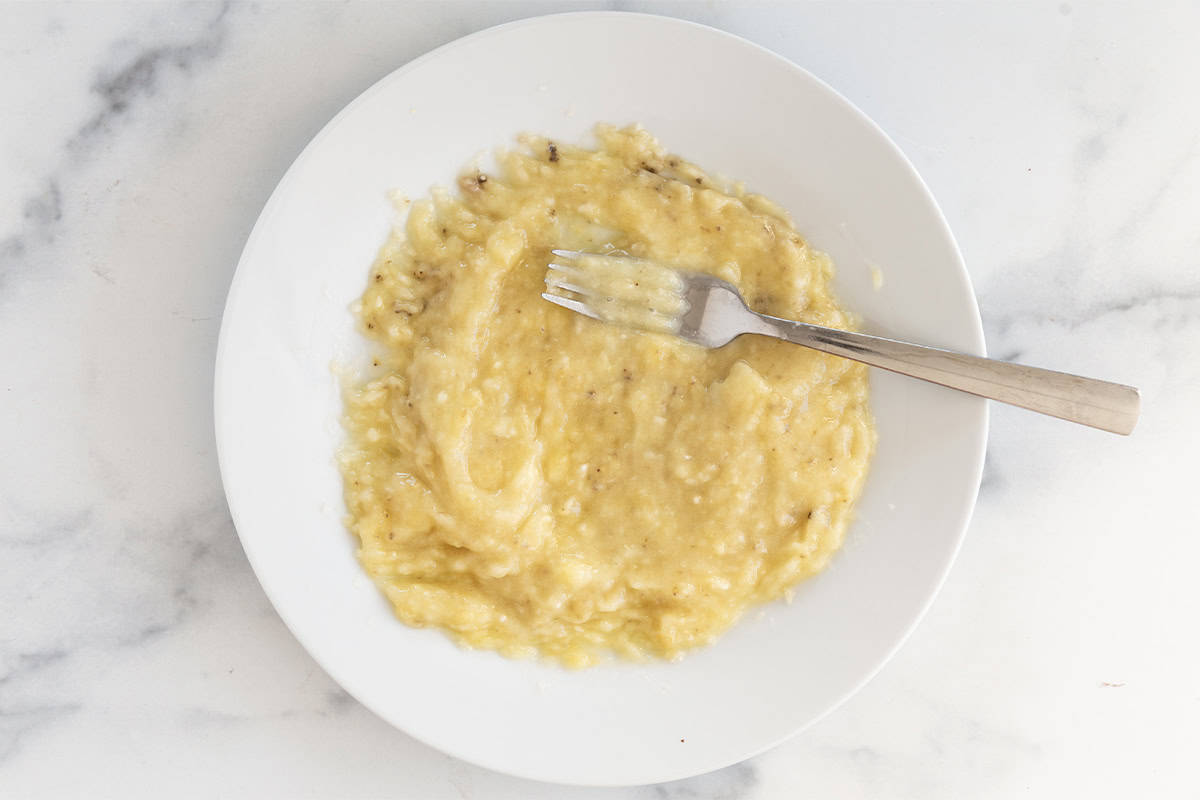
pixel 573 305
pixel 555 282
pixel 568 253
pixel 564 268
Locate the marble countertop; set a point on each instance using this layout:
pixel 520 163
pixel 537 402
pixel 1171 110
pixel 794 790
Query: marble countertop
pixel 138 655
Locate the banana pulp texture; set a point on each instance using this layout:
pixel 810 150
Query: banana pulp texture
pixel 537 482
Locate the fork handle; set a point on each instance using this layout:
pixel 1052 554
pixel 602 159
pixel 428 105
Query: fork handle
pixel 1108 406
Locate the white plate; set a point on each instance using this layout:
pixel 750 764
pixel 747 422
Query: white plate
pixel 736 109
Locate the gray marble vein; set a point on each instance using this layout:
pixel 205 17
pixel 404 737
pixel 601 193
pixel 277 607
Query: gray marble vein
pixel 131 78
pixel 120 87
pixel 17 723
pixel 732 783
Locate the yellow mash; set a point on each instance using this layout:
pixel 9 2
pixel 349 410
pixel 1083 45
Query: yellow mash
pixel 534 481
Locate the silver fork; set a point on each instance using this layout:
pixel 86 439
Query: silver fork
pixel 712 314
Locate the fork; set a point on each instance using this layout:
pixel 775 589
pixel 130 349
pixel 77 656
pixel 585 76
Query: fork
pixel 710 312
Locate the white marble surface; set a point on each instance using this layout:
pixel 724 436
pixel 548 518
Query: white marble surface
pixel 138 656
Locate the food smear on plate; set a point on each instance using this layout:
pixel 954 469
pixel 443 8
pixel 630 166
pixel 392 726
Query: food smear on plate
pixel 543 484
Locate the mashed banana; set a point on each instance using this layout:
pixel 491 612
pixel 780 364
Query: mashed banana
pixel 534 481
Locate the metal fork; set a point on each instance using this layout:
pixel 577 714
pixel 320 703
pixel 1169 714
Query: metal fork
pixel 713 314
